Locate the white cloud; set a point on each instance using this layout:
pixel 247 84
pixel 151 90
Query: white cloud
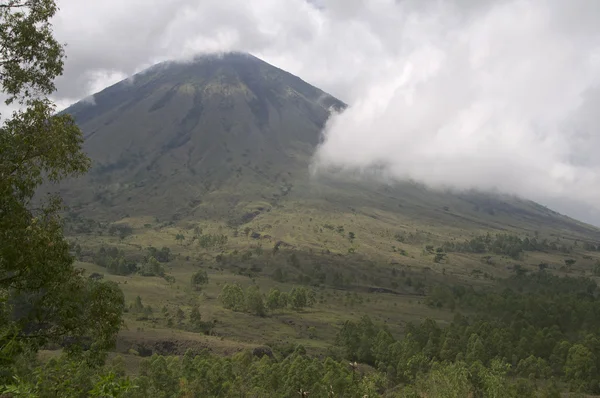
pixel 462 93
pixel 500 97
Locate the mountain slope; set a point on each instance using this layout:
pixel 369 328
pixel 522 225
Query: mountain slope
pixel 177 131
pixel 230 138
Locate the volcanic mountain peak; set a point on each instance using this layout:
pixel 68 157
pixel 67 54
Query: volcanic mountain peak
pixel 221 136
pixel 190 128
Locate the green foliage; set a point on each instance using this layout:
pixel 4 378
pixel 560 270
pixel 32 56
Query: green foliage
pixel 208 241
pixel 43 298
pixel 152 267
pixel 206 375
pixel 114 261
pixel 199 278
pixel 274 300
pixel 581 369
pixel 163 255
pixel 195 317
pixel 358 340
pixel 110 385
pixel 545 325
pixel 120 230
pixel 232 297
pixel 64 377
pixel 301 297
pixel 503 244
pixel 254 301
pixel 137 305
pixel 596 269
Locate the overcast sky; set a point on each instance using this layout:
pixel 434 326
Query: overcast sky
pixel 460 93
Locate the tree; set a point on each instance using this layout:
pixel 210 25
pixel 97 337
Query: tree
pixel 232 297
pixel 475 349
pixel 137 306
pixel 195 319
pixel 278 275
pixel 569 262
pixel 254 301
pixel 284 299
pixel 180 315
pixel 152 268
pixel 580 368
pixel 298 298
pixel 273 299
pixel 198 279
pixel 42 297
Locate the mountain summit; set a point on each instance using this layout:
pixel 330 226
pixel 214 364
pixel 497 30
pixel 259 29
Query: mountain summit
pixel 229 138
pixel 175 132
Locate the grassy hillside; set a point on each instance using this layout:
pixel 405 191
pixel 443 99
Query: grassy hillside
pixel 388 270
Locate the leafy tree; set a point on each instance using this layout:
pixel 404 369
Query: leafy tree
pixel 232 297
pixel 152 267
pixel 254 301
pixel 180 315
pixel 570 261
pixel 163 255
pixel 42 297
pixel 298 298
pixel 475 349
pixel 284 300
pixel 195 319
pixel 278 275
pixel 446 381
pixel 137 305
pixel 199 278
pixel 273 299
pixel 580 368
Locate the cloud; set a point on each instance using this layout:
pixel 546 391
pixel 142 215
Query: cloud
pixel 497 97
pixel 459 93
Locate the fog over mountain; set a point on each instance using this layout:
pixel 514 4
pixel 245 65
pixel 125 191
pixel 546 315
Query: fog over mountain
pixel 493 95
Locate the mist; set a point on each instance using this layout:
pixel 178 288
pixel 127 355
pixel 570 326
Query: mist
pixel 495 96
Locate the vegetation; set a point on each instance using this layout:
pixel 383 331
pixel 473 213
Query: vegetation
pixel 43 299
pixel 234 298
pixel 505 244
pixel 114 261
pixel 199 279
pixel 343 314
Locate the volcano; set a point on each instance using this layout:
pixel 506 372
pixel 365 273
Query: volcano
pixel 229 139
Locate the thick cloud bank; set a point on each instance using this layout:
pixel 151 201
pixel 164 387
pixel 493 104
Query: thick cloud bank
pixel 499 96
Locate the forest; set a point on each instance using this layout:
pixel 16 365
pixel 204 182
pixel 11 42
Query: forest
pixel 533 336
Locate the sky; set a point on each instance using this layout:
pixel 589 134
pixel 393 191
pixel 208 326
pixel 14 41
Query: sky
pixel 497 95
